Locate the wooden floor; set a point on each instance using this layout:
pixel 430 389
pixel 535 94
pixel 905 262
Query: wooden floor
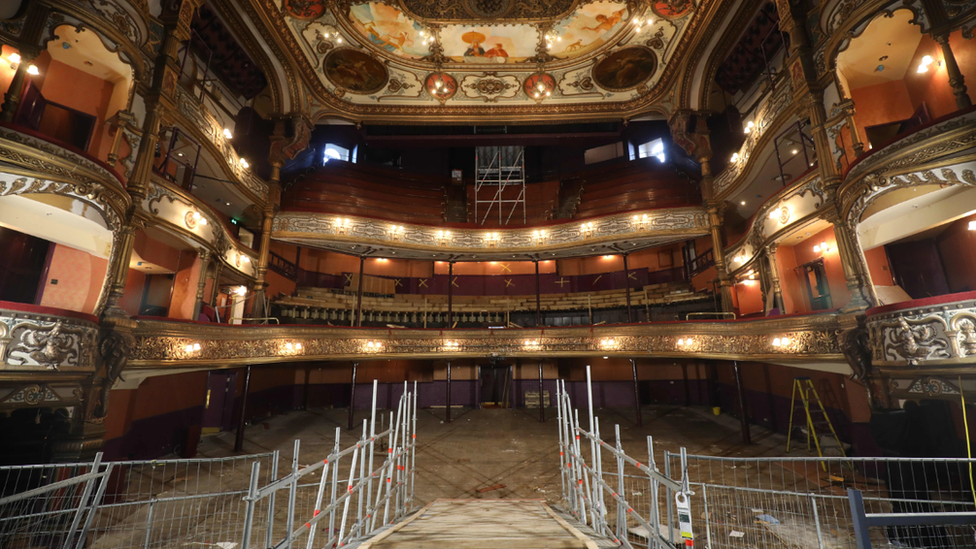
pixel 483 524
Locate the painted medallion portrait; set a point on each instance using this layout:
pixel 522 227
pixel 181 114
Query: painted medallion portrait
pixel 625 68
pixel 671 8
pixel 355 72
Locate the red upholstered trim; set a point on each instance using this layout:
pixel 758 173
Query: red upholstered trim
pixel 926 302
pixel 63 145
pixel 901 136
pixel 38 310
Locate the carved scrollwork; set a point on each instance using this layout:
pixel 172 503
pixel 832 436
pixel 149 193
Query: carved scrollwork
pixel 924 336
pixel 47 343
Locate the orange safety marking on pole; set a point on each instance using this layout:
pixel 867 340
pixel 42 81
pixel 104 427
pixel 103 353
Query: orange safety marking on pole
pixel 316 513
pixel 630 510
pixel 308 525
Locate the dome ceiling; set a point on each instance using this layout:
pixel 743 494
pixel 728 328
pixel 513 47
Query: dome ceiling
pixel 477 60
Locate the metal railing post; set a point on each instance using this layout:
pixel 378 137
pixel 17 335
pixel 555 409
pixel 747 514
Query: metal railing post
pixel 292 494
pixel 318 503
pixel 655 510
pixel 621 512
pixel 859 521
pixel 335 486
pixel 413 444
pixel 669 497
pixel 708 525
pixel 562 453
pixel 816 520
pixel 271 498
pixel 372 442
pixel 345 505
pixel 82 503
pixel 99 494
pixel 149 522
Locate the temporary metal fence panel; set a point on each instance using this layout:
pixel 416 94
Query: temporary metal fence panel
pixel 124 503
pixel 342 497
pixel 242 501
pixel 629 501
pixel 803 501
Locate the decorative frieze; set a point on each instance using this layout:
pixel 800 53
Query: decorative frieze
pixel 940 334
pixel 38 341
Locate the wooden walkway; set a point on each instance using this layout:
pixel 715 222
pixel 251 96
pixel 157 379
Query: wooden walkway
pixel 483 524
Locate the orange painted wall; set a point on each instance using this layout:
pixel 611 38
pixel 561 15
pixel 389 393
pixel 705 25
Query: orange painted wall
pixel 637 260
pixel 6 73
pixel 957 246
pixel 877 261
pixel 839 294
pixel 749 298
pixel 932 87
pixel 154 396
pixel 81 91
pixel 185 287
pixel 880 104
pixel 278 284
pixel 79 275
pixel 794 300
pixel 495 268
pixel 132 296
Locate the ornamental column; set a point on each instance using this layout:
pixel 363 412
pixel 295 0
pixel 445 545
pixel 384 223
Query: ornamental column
pixel 808 92
pixel 774 278
pixel 956 79
pixel 204 256
pixel 290 137
pixel 30 36
pixel 696 143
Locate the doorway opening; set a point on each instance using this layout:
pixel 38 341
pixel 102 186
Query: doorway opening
pixel 495 383
pixel 218 408
pixel 813 278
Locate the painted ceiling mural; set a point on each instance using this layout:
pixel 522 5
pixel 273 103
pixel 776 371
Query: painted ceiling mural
pixel 391 55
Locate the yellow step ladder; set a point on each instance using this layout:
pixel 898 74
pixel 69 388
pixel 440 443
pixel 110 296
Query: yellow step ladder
pixel 804 387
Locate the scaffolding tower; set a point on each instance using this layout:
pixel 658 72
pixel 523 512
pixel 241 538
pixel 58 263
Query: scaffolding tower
pixel 499 169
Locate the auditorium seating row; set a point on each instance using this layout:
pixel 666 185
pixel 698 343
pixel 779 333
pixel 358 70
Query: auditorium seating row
pixel 338 305
pixel 342 188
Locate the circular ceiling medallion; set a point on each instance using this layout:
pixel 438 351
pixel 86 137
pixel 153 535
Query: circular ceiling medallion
pixel 671 8
pixel 489 8
pixel 355 72
pixel 625 68
pixel 539 86
pixel 304 9
pixel 440 85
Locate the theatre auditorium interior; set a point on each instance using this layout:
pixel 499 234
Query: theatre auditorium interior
pixel 465 274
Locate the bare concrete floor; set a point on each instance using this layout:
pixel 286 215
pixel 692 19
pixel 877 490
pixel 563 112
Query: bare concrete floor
pixel 509 452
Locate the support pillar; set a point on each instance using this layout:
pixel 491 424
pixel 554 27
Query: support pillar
pixel 538 296
pixel 204 256
pixel 718 253
pixel 450 303
pixel 630 312
pixel 215 289
pixel 774 278
pixel 640 417
pixel 308 378
pixel 542 404
pixel 359 294
pixel 956 79
pixel 11 99
pixel 239 439
pixel 746 436
pixel 857 277
pixel 448 418
pixel 352 394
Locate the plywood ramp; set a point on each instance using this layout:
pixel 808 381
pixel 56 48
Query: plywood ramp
pixel 483 524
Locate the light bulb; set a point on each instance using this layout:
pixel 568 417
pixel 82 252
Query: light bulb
pixel 14 58
pixel 735 157
pixel 244 164
pixel 32 70
pixel 228 134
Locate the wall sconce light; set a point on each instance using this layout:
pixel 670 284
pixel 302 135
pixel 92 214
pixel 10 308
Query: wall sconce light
pixel 735 157
pixel 244 164
pixel 685 342
pixel 641 23
pixel 531 344
pixel 972 225
pixel 782 214
pixel 641 221
pixel 32 70
pixel 926 61
pixel 587 228
pixel 293 346
pixel 373 346
pixel 821 248
pixel 191 219
pixel 240 291
pixel 396 233
pixel 740 259
pixel 228 134
pixel 779 342
pixel 749 126
pixel 192 348
pixel 608 343
pixel 14 59
pixel 491 240
pixel 443 237
pixel 451 345
pixel 342 225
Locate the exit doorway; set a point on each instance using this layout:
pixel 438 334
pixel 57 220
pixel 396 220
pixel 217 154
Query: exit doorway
pixel 495 382
pixel 218 408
